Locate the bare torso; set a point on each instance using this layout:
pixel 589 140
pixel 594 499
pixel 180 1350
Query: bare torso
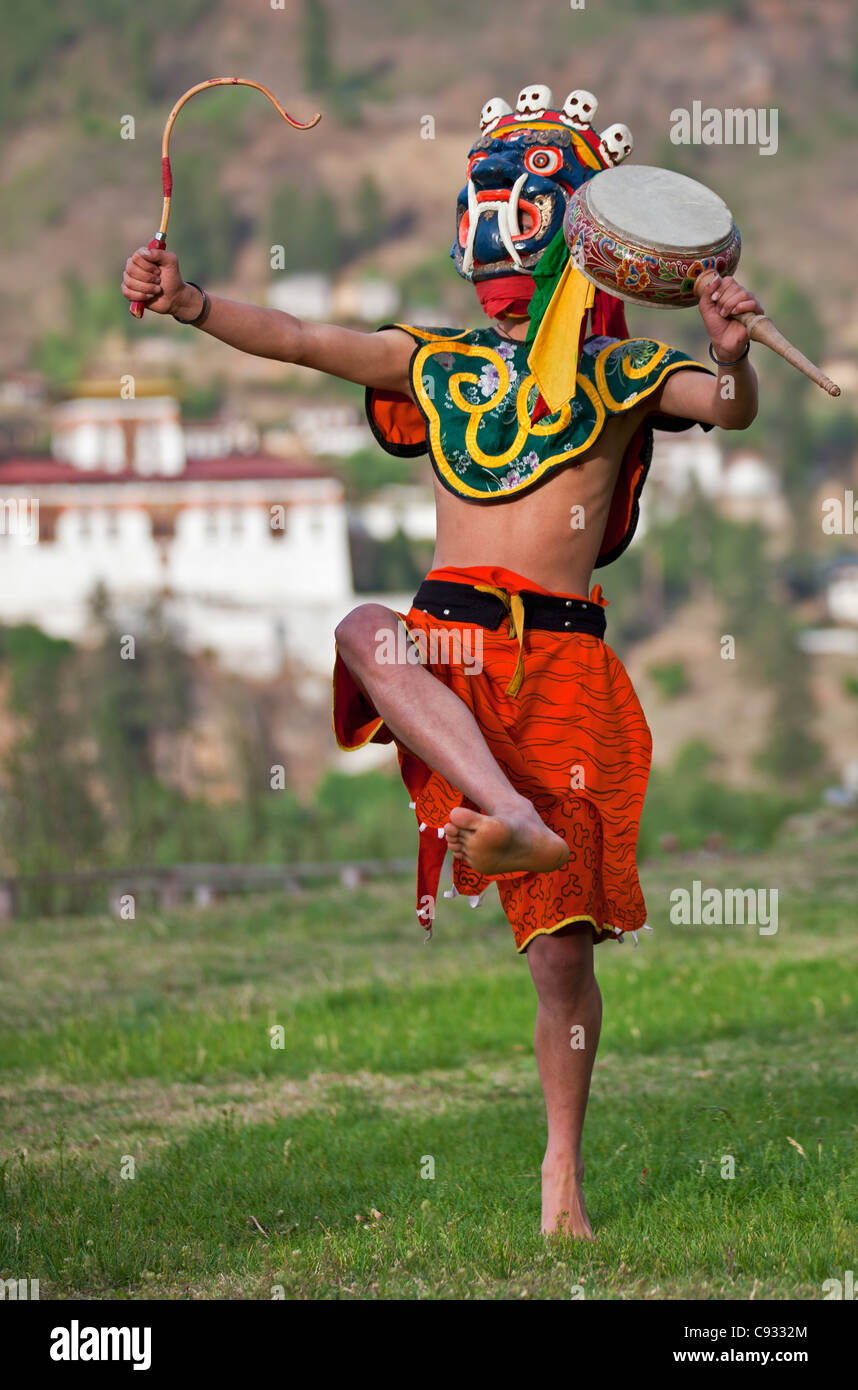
pixel 530 533
pixel 538 535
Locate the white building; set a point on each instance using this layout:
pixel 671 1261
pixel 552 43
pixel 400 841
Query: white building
pixel 684 459
pixel 405 507
pixel 744 486
pixel 312 295
pixel 307 296
pixel 249 552
pixel 841 592
pixel 751 491
pixel 206 439
pixel 145 435
pixel 370 299
pixel 331 429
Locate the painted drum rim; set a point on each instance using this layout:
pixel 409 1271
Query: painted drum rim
pixel 588 190
pixel 581 224
pixel 655 248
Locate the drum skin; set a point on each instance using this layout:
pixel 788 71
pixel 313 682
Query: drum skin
pixel 660 266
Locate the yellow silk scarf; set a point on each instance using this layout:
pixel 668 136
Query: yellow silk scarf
pixel 553 358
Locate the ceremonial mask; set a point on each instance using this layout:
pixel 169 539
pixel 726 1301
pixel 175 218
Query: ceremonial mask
pixel 521 173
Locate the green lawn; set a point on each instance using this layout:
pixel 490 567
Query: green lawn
pixel 300 1166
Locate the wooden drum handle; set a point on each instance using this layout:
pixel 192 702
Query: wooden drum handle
pixel 762 330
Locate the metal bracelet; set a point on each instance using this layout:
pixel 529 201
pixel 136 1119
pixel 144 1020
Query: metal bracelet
pixel 735 361
pixel 191 323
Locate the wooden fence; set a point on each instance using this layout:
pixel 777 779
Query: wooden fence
pixel 174 884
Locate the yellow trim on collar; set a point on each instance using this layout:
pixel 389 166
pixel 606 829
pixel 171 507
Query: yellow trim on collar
pixel 635 373
pixel 488 354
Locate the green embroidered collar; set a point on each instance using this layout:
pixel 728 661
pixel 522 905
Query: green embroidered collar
pixel 476 394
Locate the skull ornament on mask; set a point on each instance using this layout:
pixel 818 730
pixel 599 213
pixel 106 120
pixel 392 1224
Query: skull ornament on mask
pixel 521 173
pixel 492 112
pixel 532 101
pixel 579 109
pixel 616 143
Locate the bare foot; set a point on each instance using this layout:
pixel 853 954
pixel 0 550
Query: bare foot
pixel 505 843
pixel 563 1209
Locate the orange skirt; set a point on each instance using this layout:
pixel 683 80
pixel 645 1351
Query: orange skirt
pixel 573 740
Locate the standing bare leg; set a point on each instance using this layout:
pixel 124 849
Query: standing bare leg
pixel 430 720
pixel 568 1021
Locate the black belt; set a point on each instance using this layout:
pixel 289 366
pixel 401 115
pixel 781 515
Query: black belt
pixel 462 603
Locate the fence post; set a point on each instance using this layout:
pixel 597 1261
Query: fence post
pixel 169 894
pixel 8 901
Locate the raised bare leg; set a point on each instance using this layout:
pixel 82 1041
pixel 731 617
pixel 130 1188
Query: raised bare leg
pixel 429 719
pixel 568 1022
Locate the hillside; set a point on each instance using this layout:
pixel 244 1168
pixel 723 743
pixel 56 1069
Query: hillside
pixel 79 197
pixel 364 192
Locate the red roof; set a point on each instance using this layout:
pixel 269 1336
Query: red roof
pixel 233 468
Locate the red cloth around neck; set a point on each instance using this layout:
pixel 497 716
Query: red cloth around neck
pixel 608 317
pixel 508 294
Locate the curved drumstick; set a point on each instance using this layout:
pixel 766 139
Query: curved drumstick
pixel 762 330
pixel 159 240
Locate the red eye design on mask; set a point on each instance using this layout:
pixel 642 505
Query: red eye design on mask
pixel 543 159
pixel 475 159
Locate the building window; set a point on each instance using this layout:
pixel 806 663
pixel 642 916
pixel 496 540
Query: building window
pixel 163 523
pixel 48 517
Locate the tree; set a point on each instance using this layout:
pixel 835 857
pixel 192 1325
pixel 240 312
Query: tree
pixel 784 419
pixel 48 818
pixel 369 215
pixel 308 226
pixel 204 227
pixel 315 38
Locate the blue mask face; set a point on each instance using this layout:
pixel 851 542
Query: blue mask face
pixel 520 179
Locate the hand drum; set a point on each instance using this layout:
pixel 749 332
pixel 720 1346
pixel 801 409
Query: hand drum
pixel 650 236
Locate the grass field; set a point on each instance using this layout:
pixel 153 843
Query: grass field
pixel 261 1169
